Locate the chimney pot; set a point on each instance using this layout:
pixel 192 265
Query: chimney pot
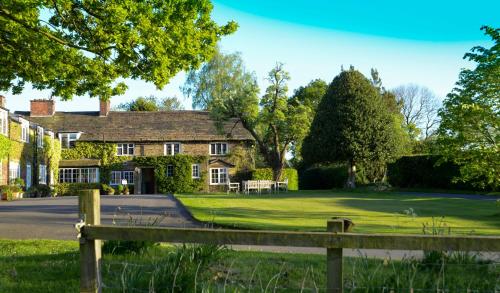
pixel 42 107
pixel 104 107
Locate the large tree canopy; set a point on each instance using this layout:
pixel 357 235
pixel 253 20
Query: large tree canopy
pixel 353 124
pixel 470 118
pixel 151 104
pixel 84 47
pixel 225 88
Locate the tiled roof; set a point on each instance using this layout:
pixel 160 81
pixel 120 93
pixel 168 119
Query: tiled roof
pixel 121 126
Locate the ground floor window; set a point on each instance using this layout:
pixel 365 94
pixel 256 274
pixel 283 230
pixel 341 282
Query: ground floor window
pixel 170 171
pixel 79 175
pixel 42 174
pixel 118 176
pixel 218 176
pixel 195 171
pixel 14 171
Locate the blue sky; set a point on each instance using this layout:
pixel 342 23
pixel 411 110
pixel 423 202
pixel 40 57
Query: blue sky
pixel 419 42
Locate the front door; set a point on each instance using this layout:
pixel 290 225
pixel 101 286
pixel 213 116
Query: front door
pixel 148 181
pixel 28 176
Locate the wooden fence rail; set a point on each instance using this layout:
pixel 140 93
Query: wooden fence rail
pixel 334 241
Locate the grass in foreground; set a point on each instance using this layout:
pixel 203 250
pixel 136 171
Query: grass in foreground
pixel 372 212
pixel 52 266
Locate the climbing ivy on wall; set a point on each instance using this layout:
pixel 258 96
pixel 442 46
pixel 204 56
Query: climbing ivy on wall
pixel 182 180
pixel 5 146
pixel 52 149
pixel 106 152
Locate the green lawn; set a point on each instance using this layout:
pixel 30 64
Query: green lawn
pixel 372 212
pixel 53 266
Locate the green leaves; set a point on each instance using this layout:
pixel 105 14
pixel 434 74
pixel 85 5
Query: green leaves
pixel 83 47
pixel 470 118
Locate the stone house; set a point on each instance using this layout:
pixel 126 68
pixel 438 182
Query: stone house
pixel 24 148
pixel 140 134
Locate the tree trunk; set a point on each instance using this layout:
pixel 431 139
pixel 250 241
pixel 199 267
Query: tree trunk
pixel 351 177
pixel 277 171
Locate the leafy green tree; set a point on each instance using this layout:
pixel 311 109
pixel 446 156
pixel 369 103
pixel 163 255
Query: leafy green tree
pixel 469 133
pixel 309 96
pixel 352 124
pixel 84 47
pixel 225 88
pixel 151 104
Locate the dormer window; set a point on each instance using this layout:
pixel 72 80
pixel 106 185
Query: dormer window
pixel 4 122
pixel 39 136
pixel 68 140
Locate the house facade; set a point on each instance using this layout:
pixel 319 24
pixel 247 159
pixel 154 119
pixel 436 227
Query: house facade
pixel 148 151
pixel 25 150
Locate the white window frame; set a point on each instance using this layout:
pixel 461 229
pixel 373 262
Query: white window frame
pixel 220 178
pixel 195 171
pixel 4 122
pixel 171 167
pixel 116 178
pixel 172 148
pixel 42 174
pixel 28 176
pixel 25 130
pixel 218 152
pixel 125 149
pixel 14 170
pixel 66 139
pixel 39 136
pixel 77 175
pixel 130 176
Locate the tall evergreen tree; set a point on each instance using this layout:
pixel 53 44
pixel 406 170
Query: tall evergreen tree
pixel 353 124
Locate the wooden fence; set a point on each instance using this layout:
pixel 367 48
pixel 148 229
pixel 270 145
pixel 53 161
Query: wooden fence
pixel 334 240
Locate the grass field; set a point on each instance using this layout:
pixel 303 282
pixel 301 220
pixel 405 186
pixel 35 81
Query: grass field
pixel 37 266
pixel 375 212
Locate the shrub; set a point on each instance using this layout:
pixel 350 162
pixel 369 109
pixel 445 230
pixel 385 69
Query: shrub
pixel 106 189
pixel 288 173
pixel 120 189
pixel 41 190
pixel 126 190
pixel 325 177
pixel 72 189
pixel 424 172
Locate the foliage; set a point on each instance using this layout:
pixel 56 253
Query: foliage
pixel 120 189
pixel 40 190
pixel 72 189
pixel 310 96
pixel 80 47
pixel 470 118
pixel 424 172
pixel 323 177
pixel 5 146
pixel 182 180
pixel 52 149
pixel 225 88
pixel 105 152
pixel 371 212
pixel 288 173
pixel 352 125
pixel 107 189
pixel 151 104
pixel 126 190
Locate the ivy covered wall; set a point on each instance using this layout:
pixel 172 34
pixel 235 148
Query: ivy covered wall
pixel 182 180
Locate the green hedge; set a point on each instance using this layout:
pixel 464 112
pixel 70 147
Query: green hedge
pixel 72 189
pixel 325 177
pixel 424 172
pixel 182 180
pixel 267 174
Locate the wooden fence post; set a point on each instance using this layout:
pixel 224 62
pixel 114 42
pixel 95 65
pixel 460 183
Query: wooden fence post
pixel 89 203
pixel 334 276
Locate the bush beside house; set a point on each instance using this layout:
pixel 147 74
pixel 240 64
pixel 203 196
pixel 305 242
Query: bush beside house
pixel 288 173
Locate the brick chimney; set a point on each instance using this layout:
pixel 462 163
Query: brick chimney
pixel 42 108
pixel 104 107
pixel 2 101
